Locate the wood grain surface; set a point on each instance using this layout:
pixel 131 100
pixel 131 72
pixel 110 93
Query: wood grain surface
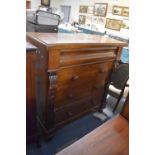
pixel 111 138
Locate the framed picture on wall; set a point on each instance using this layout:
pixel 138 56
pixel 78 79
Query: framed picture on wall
pixel 82 20
pixel 101 20
pixel 125 24
pixel 113 24
pixel 45 3
pixel 117 10
pixel 83 9
pixel 88 20
pixel 100 9
pixel 94 20
pixel 90 10
pixel 125 12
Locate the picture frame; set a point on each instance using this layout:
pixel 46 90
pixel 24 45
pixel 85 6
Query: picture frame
pixel 125 11
pixel 82 19
pixel 113 24
pixel 101 20
pixel 100 9
pixel 125 24
pixel 83 9
pixel 94 20
pixel 90 10
pixel 88 20
pixel 45 3
pixel 117 10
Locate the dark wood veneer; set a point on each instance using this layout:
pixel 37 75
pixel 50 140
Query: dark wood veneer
pixel 31 122
pixel 125 111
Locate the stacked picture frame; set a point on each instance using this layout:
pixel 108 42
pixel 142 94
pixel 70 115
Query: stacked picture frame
pixel 100 9
pixel 95 14
pixel 115 24
pixel 120 11
pixel 83 9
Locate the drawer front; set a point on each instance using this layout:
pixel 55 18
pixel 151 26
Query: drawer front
pixel 82 73
pixel 70 95
pixel 75 110
pixel 86 55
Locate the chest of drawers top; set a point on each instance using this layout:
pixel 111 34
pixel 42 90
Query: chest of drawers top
pixel 30 47
pixel 72 49
pixel 62 39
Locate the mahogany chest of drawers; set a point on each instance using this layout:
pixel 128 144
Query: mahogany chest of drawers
pixel 72 71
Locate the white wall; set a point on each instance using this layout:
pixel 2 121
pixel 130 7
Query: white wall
pixel 76 3
pixel 35 4
pixel 75 9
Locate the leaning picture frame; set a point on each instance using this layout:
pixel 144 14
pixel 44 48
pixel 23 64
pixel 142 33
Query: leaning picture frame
pixel 45 3
pixel 113 24
pixel 100 9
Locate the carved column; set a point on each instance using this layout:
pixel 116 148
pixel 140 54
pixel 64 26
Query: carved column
pixel 51 98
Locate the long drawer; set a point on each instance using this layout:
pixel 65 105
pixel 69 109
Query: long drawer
pixel 81 73
pixel 69 95
pixel 76 109
pixel 75 56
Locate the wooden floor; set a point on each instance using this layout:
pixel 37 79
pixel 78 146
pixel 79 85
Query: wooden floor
pixel 111 138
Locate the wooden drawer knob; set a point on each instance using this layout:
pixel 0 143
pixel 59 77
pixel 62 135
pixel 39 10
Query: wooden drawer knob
pixel 93 103
pixel 101 86
pixel 70 95
pixel 75 77
pixel 102 71
pixel 96 87
pixel 70 113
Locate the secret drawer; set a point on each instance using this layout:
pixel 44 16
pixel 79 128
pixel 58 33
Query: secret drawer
pixel 75 110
